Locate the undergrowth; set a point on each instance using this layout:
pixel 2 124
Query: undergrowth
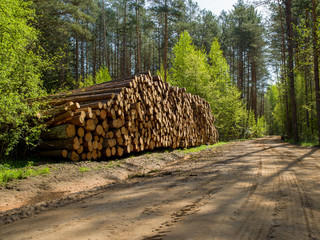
pixel 201 148
pixel 10 172
pixel 303 143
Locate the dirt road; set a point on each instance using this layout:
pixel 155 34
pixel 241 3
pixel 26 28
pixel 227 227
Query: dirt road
pixel 258 189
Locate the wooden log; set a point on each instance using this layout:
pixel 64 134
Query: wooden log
pixel 89 156
pixel 103 114
pixel 85 98
pixel 100 146
pixel 78 120
pixel 107 152
pixel 105 125
pixel 116 123
pixel 76 143
pixel 113 151
pixel 109 143
pixel 55 153
pixel 88 137
pixel 119 83
pixel 90 125
pixel 110 134
pixel 73 156
pixel 67 144
pixel 95 145
pixel 59 132
pixel 113 89
pixel 80 132
pixel 59 118
pixel 83 156
pixel 52 112
pixel 120 151
pixel 99 130
pixel 94 154
pixel 80 149
pixel 120 141
pixel 88 146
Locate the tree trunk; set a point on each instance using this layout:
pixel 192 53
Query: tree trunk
pixel 240 75
pixel 124 42
pixel 138 66
pixel 248 87
pixel 82 59
pixel 307 74
pixel 165 40
pixel 105 56
pixel 254 87
pixel 316 62
pixel 94 58
pixel 77 61
pixel 294 132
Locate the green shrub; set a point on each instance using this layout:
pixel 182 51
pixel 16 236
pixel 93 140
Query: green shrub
pixel 20 65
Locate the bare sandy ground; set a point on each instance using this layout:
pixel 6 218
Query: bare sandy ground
pixel 257 189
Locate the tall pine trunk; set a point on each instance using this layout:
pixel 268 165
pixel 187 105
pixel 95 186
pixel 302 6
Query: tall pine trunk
pixel 294 132
pixel 82 59
pixel 77 61
pixel 307 74
pixel 316 62
pixel 165 40
pixel 105 55
pixel 254 87
pixel 138 66
pixel 240 75
pixel 124 42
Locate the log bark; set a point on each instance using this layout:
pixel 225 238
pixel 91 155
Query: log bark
pixel 55 153
pixel 59 118
pixel 59 132
pixel 67 144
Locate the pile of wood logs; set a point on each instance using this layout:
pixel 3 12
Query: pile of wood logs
pixel 123 116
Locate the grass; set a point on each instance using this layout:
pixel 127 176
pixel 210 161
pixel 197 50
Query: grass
pixel 10 172
pixel 304 143
pixel 309 144
pixel 202 148
pixel 84 169
pixel 113 164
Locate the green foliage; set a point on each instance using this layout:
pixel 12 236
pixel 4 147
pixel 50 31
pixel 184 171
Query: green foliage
pixel 20 66
pixel 260 128
pixel 208 76
pixel 102 76
pixel 190 68
pixel 224 98
pixel 9 172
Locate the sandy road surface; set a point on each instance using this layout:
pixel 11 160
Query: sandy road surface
pixel 258 189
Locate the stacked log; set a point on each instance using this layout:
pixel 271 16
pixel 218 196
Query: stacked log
pixel 122 116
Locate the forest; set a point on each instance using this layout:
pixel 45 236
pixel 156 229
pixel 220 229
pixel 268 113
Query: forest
pixel 260 74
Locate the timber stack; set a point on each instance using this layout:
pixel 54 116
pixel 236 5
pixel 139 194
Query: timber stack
pixel 124 116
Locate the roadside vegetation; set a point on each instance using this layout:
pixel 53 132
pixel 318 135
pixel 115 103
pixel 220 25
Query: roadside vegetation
pixel 202 147
pixel 11 172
